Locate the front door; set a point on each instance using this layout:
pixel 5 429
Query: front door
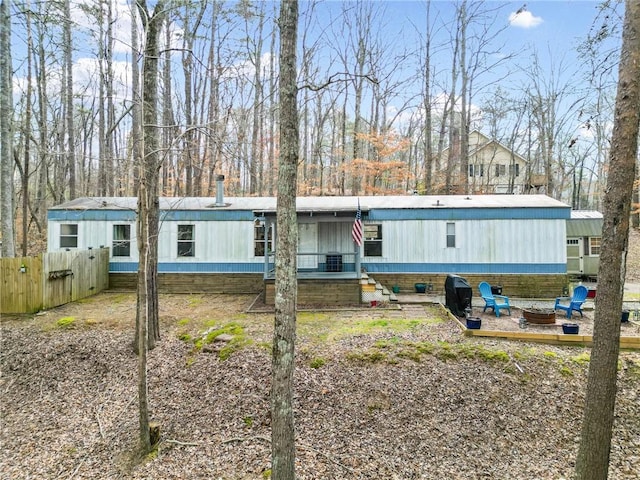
pixel 575 255
pixel 307 243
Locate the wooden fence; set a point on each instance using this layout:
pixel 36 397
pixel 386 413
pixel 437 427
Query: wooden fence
pixel 31 284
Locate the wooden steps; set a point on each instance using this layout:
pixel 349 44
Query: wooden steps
pixel 374 291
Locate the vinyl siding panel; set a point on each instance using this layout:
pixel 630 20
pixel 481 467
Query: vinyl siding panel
pixel 221 241
pixel 496 241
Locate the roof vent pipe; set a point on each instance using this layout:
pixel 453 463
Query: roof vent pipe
pixel 220 191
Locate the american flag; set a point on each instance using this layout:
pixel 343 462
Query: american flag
pixel 356 231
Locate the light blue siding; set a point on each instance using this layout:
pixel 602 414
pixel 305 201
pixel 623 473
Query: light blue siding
pixel 506 245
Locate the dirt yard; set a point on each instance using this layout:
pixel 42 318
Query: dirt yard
pixel 393 394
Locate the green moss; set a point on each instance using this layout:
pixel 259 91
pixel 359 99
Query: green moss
pixel 324 329
pixel 550 354
pixel 566 371
pixel 238 343
pixel 66 322
pixel 229 329
pixel 446 354
pixel 317 362
pixel 582 359
pixel 183 321
pixel 210 322
pixel 190 361
pixel 433 321
pixel 425 347
pixel 493 355
pixel 367 356
pixel 410 353
pixel 268 346
pixel 266 473
pixel 185 337
pixel 248 421
pixel 387 342
pixel 633 369
pixel 195 301
pixel 153 454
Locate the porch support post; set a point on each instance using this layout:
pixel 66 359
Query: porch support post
pixel 266 247
pixel 357 255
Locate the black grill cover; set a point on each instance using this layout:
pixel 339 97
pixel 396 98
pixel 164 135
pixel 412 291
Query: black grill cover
pixel 457 294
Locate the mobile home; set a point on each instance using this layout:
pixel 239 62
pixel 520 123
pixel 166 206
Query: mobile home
pixel 227 245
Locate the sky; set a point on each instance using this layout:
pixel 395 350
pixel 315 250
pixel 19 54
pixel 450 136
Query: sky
pixel 551 28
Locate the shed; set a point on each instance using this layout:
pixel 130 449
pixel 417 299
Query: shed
pixel 584 237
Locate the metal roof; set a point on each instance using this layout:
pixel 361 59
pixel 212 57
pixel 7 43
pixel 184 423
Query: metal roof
pixel 320 204
pixel 585 223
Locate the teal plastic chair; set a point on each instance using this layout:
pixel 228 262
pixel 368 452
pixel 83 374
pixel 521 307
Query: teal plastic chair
pixel 496 302
pixel 575 302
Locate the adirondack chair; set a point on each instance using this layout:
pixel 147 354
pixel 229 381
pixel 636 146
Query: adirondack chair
pixel 575 302
pixel 491 300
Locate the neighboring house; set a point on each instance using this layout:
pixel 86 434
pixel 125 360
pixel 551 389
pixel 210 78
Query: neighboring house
pixel 493 168
pixel 584 237
pixel 212 245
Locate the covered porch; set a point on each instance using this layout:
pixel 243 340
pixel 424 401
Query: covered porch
pixel 326 250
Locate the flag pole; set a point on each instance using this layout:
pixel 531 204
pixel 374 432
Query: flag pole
pixel 357 234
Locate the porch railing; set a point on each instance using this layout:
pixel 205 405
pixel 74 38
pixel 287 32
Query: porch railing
pixel 319 265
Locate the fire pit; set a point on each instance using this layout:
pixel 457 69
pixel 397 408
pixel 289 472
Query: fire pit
pixel 539 315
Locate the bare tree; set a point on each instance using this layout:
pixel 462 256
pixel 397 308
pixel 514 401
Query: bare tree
pixel 597 423
pixel 147 326
pixel 283 360
pixel 6 150
pixel 67 48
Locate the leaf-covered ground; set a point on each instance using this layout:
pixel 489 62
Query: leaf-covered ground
pixel 380 394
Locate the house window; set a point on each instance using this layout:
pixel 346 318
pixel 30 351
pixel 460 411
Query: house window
pixel 186 240
pixel 572 241
pixel 476 170
pixel 514 170
pixel 260 240
pixel 501 170
pixel 451 235
pixel 594 245
pixel 121 246
pixel 69 235
pixel 373 240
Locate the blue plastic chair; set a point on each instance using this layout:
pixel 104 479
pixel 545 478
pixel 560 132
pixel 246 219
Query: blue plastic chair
pixel 575 302
pixel 496 302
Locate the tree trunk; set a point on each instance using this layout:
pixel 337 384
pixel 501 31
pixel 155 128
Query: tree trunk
pixel 68 96
pixel 597 424
pixel 6 149
pixel 43 129
pixel 147 326
pixel 136 108
pixel 283 361
pixel 26 154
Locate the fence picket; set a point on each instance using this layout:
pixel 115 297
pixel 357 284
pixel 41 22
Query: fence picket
pixel 52 279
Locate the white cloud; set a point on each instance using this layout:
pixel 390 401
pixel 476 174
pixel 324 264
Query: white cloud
pixel 121 11
pixel 524 19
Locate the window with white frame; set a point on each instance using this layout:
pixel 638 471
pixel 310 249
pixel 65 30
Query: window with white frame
pixel 186 240
pixel 260 240
pixel 501 170
pixel 373 240
pixel 476 170
pixel 514 170
pixel 69 235
pixel 451 235
pixel 594 245
pixel 573 241
pixel 121 244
